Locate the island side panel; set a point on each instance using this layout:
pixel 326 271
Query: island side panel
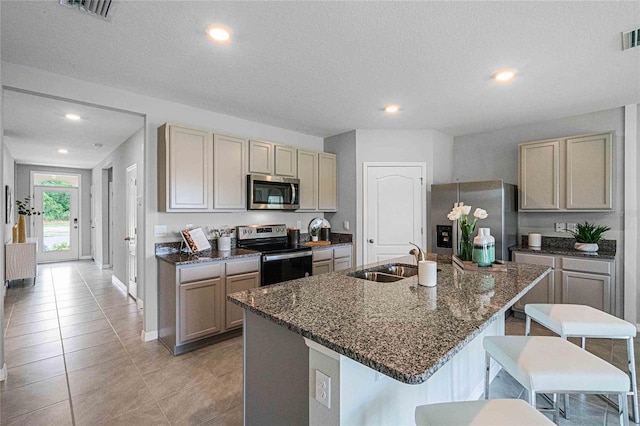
pixel 276 374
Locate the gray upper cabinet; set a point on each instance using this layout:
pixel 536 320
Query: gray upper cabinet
pixel 568 174
pixel 286 161
pixel 308 175
pixel 185 164
pixel 229 173
pixel 268 158
pixel 327 197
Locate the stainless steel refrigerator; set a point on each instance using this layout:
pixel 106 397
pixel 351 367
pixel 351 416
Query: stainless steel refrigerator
pixel 494 196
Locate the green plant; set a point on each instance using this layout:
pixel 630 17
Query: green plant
pixel 24 207
pixel 589 233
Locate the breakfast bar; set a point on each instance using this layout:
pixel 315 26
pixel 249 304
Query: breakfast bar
pixel 338 349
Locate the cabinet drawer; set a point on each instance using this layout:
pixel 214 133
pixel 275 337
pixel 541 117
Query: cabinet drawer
pixel 535 259
pixel 198 273
pixel 586 265
pixel 322 254
pixel 243 266
pixel 340 252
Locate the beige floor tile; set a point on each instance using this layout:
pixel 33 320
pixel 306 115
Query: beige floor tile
pixel 200 403
pixel 111 401
pixel 223 360
pixel 121 311
pixel 33 372
pixel 20 342
pixel 54 415
pixel 80 294
pixel 32 327
pixel 149 358
pixel 15 358
pixel 179 376
pixel 25 310
pixel 81 318
pixel 75 310
pixel 96 355
pixel 84 328
pixel 76 302
pixel 106 374
pixel 218 346
pixel 33 301
pixel 147 415
pixel 39 316
pixel 89 340
pixel 20 401
pixel 233 417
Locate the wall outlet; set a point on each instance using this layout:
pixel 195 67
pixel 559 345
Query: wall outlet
pixel 160 230
pixel 560 227
pixel 345 225
pixel 323 389
pixel 571 226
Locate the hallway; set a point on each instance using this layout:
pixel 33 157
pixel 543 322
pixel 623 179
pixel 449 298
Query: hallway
pixel 74 356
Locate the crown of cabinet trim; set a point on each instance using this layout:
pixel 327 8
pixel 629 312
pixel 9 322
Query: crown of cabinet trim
pixel 567 174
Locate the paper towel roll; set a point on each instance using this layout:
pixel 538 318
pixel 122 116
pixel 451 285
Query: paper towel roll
pixel 427 273
pixel 534 239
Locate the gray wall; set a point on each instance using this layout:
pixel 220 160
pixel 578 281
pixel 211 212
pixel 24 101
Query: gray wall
pixel 23 179
pixel 494 155
pixel 344 146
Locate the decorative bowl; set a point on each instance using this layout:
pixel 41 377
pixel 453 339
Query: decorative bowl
pixel 588 247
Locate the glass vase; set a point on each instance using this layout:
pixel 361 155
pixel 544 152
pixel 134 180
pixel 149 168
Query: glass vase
pixel 465 245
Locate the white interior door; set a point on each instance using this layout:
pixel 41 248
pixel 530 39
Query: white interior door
pixel 132 218
pixel 57 229
pixel 394 209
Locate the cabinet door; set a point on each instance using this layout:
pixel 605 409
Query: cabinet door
pixel 188 164
pixel 322 267
pixel 286 161
pixel 229 173
pixel 582 288
pixel 327 182
pixel 540 176
pixel 201 307
pixel 341 264
pixel 261 157
pixel 589 179
pixel 544 291
pixel 308 175
pixel 236 283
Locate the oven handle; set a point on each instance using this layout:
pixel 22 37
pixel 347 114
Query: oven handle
pixel 271 258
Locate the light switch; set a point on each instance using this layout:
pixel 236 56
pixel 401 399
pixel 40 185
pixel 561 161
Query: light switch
pixel 345 225
pixel 160 231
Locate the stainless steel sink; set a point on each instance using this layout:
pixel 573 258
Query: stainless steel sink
pixel 387 273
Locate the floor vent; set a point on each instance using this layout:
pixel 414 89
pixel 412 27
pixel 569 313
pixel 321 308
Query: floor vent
pixel 631 39
pixel 101 8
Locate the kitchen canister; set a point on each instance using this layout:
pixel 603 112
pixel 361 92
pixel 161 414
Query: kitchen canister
pixel 427 273
pixel 534 240
pixel 224 243
pixel 325 233
pixel 484 248
pixel 293 236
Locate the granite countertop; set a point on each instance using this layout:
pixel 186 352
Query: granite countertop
pixel 399 329
pixel 564 247
pixel 206 256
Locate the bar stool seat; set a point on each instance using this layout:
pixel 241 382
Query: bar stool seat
pixel 495 412
pixel 583 321
pixel 554 365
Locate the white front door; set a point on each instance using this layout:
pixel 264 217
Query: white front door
pixel 57 228
pixel 394 209
pixel 132 218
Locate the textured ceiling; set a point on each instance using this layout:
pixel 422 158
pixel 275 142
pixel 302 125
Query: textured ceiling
pixel 326 67
pixel 35 128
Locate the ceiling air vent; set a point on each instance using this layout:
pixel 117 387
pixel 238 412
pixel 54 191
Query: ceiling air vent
pixel 631 39
pixel 102 8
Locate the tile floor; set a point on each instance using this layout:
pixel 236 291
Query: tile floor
pixel 74 356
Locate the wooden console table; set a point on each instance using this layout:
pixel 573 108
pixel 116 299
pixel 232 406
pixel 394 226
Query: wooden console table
pixel 20 260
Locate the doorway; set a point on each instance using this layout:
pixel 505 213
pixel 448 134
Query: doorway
pixel 132 225
pixel 394 211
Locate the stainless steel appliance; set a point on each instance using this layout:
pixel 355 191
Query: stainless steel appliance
pixel 281 261
pixel 266 192
pixel 495 196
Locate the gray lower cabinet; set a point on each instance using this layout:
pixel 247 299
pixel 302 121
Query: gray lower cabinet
pixel 330 259
pixel 322 267
pixel 544 291
pixel 200 305
pixel 236 283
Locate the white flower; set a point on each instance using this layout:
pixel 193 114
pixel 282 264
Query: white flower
pixel 465 210
pixel 454 214
pixel 480 213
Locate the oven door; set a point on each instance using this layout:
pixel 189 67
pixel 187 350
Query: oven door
pixel 272 192
pixel 285 266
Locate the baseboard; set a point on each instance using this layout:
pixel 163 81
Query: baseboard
pixel 149 336
pixel 98 264
pixel 140 303
pixel 3 373
pixel 117 282
pixel 85 257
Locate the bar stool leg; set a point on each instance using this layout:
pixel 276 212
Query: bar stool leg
pixel 623 410
pixel 527 327
pixel 632 376
pixel 584 343
pixel 487 360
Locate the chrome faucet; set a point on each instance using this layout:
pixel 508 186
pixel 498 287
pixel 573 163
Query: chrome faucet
pixel 417 252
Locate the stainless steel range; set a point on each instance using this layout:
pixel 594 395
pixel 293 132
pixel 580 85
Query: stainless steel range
pixel 281 261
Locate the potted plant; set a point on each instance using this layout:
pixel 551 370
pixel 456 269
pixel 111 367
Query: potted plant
pixel 587 236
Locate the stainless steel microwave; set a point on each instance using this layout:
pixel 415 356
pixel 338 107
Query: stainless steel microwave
pixel 272 193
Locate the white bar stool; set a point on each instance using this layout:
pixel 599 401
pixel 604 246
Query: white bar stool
pixel 543 364
pixel 584 321
pixel 495 412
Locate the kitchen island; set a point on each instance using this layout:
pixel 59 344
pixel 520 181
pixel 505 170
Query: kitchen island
pixel 387 347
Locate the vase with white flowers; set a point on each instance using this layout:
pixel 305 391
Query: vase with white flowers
pixel 460 213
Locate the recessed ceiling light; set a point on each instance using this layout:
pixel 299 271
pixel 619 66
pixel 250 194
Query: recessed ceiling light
pixel 72 116
pixel 219 33
pixel 63 151
pixel 391 109
pixel 504 75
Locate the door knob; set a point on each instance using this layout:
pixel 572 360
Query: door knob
pixel 127 238
pixel 371 240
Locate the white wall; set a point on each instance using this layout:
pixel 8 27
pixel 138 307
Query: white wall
pixel 494 155
pixel 157 112
pixel 8 178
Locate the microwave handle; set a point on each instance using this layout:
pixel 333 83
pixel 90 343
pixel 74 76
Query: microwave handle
pixel 293 193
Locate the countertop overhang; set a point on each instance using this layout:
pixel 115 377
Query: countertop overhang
pixel 400 329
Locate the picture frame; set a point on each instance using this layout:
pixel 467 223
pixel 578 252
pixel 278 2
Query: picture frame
pixel 8 202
